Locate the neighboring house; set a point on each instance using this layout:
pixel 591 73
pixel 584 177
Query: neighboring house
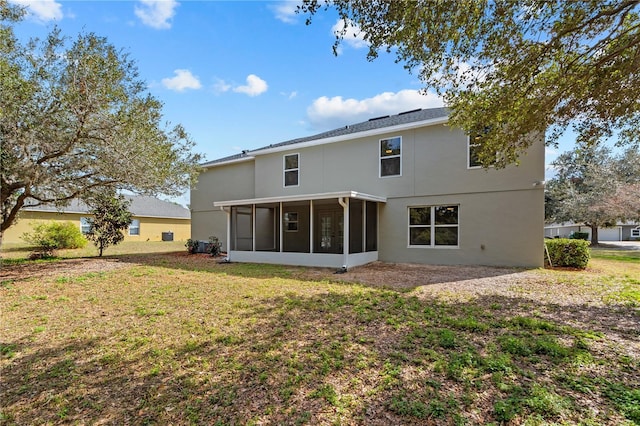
pixel 153 219
pixel 401 188
pixel 622 231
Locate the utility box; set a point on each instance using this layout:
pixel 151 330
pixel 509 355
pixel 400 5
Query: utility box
pixel 167 236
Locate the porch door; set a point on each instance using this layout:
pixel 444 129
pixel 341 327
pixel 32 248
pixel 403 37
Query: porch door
pixel 329 231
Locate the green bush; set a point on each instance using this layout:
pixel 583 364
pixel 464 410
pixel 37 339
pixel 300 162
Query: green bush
pixel 568 252
pixel 579 235
pixel 57 235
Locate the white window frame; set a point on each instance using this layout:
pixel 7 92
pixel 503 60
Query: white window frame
pixel 380 157
pixel 635 232
pixel 134 227
pixel 469 146
pixel 88 220
pixel 285 170
pixel 288 218
pixel 432 225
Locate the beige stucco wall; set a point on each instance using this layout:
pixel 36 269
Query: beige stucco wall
pixel 151 229
pixel 501 210
pixel 228 182
pixel 434 161
pixel 495 228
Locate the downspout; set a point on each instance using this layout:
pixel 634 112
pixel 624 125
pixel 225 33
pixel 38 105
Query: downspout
pixel 344 202
pixel 227 210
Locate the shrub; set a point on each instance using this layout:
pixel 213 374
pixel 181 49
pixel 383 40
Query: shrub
pixel 214 246
pixel 47 237
pixel 192 246
pixel 579 235
pixel 568 252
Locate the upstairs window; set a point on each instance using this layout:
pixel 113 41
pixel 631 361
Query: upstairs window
pixel 134 227
pixel 291 169
pixel 473 157
pixel 391 157
pixel 433 226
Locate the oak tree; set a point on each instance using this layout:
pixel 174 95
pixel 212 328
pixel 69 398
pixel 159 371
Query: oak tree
pixel 508 69
pixel 594 188
pixel 76 118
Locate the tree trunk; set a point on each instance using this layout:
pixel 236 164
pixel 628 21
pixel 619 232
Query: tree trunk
pixel 594 235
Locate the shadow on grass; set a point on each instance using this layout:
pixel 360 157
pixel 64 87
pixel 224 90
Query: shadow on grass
pixel 361 357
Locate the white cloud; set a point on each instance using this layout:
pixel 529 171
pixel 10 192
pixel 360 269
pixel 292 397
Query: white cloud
pixel 254 87
pixel 289 95
pixel 42 10
pixel 221 86
pixel 156 13
pixel 285 11
pixel 353 35
pixel 183 80
pixel 330 113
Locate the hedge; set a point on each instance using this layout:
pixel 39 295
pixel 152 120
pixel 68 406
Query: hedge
pixel 568 252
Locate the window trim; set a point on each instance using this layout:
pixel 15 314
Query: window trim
pixel 469 146
pixel 285 170
pixel 89 221
pixel 635 230
pixel 432 226
pixel 136 227
pixel 380 157
pixel 287 221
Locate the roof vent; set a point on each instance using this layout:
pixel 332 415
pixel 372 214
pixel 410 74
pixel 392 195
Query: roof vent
pixel 409 112
pixel 379 118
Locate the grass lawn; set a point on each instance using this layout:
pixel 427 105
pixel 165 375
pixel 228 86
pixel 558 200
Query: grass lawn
pixel 168 338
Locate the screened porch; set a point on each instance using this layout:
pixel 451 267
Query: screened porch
pixel 329 230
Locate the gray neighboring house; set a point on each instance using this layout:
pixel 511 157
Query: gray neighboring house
pixel 622 231
pixel 400 188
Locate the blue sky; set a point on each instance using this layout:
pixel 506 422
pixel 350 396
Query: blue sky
pixel 242 74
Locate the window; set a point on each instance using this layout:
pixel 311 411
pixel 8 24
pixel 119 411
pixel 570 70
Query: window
pixel 291 169
pixel 391 157
pixel 85 224
pixel 134 227
pixel 635 232
pixel 291 222
pixel 433 226
pixel 473 148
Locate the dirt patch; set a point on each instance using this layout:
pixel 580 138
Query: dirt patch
pixel 31 270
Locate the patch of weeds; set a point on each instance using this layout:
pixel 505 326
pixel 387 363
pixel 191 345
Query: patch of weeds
pixel 549 345
pixel 447 339
pixel 402 405
pixel 506 410
pixel 229 340
pixel 514 345
pixel 499 363
pixel 63 299
pixel 8 350
pixel 326 392
pixel 546 402
pixel 39 329
pixel 40 297
pixel 109 359
pixel 6 284
pixel 625 399
pixel 533 324
pixel 462 364
pixel 303 418
pixel 469 323
pixel 224 396
pixel 390 374
pixel 63 280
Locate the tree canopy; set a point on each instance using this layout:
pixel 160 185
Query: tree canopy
pixel 594 188
pixel 76 118
pixel 511 68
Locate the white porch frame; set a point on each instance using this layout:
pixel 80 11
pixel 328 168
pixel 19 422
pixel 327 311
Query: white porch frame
pixel 344 260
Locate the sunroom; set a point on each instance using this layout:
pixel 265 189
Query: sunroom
pixel 338 229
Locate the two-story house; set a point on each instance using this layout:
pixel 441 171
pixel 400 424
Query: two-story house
pixel 401 188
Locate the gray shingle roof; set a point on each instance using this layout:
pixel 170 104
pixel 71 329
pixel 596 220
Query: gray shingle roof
pixel 371 124
pixel 142 206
